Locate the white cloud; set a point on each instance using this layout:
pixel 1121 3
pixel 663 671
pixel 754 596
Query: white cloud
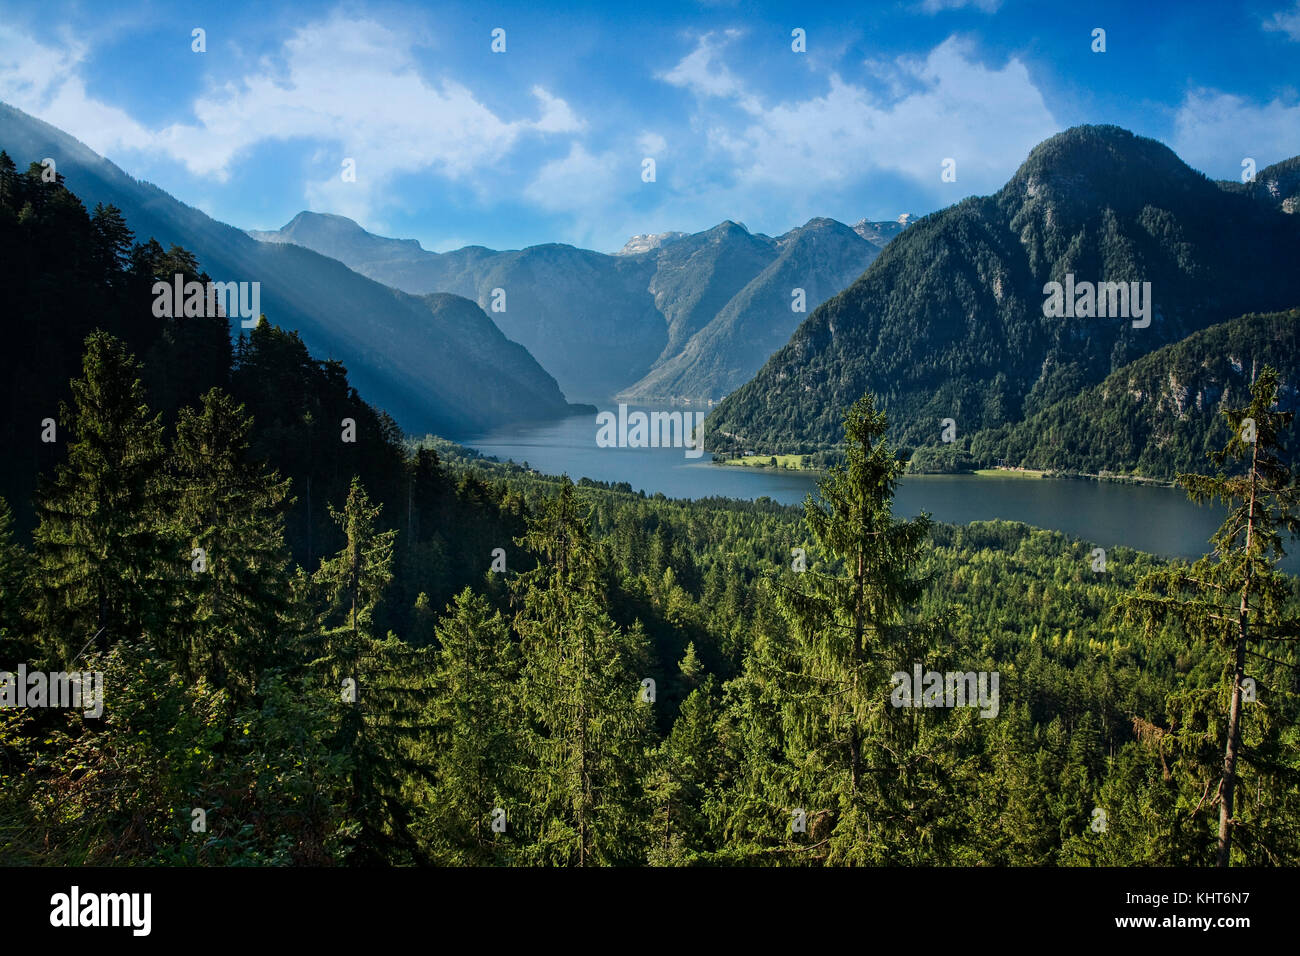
pixel 556 116
pixel 582 179
pixel 652 144
pixel 1214 131
pixel 786 162
pixel 1286 21
pixel 936 6
pixel 43 80
pixel 380 110
pixel 703 73
pixel 603 196
pixel 946 105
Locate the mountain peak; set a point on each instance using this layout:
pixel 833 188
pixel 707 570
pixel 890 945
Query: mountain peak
pixel 1096 201
pixel 338 237
pixel 645 242
pixel 328 226
pixel 307 218
pixel 1084 165
pixel 819 226
pixel 881 232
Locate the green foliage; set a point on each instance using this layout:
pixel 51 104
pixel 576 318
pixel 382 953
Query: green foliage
pixel 323 711
pixel 104 557
pixel 475 741
pixel 238 605
pixel 1159 415
pixel 580 685
pixel 1232 604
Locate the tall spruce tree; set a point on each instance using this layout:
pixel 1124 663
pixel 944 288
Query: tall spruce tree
pixel 237 617
pixel 589 727
pixel 853 625
pixel 689 766
pixel 477 748
pixel 380 686
pixel 1233 602
pixel 106 559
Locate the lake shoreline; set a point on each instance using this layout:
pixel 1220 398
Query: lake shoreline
pixel 1148 516
pixel 1048 474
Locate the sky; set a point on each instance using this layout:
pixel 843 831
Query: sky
pixel 454 144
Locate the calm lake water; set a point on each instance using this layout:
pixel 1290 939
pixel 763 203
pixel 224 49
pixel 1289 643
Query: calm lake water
pixel 1157 520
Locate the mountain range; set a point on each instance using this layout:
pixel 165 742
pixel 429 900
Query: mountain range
pixel 940 318
pixel 949 322
pixel 435 363
pixel 669 317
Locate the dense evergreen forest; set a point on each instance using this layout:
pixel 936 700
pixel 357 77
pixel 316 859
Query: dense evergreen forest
pixel 382 651
pixel 1158 413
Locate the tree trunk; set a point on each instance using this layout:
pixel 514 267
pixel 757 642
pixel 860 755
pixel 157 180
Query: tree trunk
pixel 855 745
pixel 582 753
pixel 1228 784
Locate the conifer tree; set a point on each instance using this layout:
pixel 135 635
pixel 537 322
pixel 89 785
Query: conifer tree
pixel 105 558
pixel 852 628
pixel 380 686
pixel 689 767
pixel 229 512
pixel 477 750
pixel 589 726
pixel 1232 602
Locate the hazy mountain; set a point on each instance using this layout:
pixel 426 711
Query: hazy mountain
pixel 340 238
pixel 601 324
pixel 588 318
pixel 949 321
pixel 880 233
pixel 647 242
pixel 1161 414
pixel 821 258
pixel 434 365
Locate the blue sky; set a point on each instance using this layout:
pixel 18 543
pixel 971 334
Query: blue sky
pixel 457 145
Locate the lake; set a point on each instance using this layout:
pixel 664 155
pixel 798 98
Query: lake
pixel 1157 520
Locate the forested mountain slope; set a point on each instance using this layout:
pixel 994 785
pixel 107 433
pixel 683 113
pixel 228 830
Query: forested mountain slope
pixel 398 352
pixel 949 321
pixel 1161 414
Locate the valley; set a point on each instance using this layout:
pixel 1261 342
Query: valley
pixel 618 533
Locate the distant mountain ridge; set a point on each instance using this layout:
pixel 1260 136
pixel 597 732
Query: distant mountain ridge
pixel 949 323
pixel 436 366
pixel 339 237
pixel 647 242
pixel 660 320
pixel 815 261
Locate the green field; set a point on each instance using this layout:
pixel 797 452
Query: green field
pixel 793 462
pixel 1009 473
